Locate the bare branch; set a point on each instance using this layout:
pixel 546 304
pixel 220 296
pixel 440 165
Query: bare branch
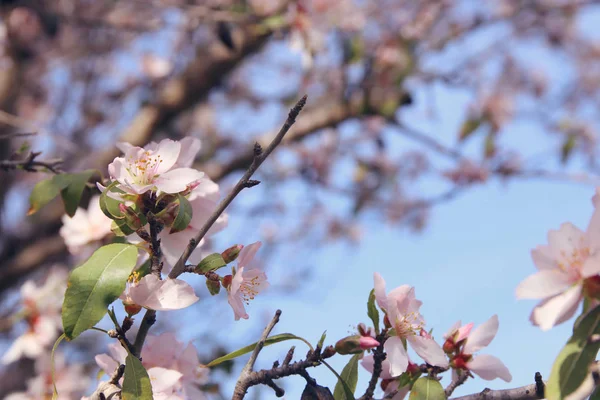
pixel 456 383
pixel 243 183
pixel 31 164
pixel 527 392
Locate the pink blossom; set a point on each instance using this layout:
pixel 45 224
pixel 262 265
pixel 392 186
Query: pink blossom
pixel 71 380
pixel 161 295
pixel 402 310
pixel 85 227
pixel 570 259
pixel 367 342
pixel 41 308
pixel 246 283
pixel 389 383
pixel 163 167
pixel 174 368
pixel 467 342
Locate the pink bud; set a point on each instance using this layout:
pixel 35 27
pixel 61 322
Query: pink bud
pixel 232 253
pixel 367 342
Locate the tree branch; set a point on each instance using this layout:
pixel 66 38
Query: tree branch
pixel 31 164
pixel 528 392
pixel 260 156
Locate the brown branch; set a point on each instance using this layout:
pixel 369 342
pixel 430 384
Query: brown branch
pixel 242 384
pixel 31 164
pixel 260 156
pixel 456 383
pixel 533 391
pixel 378 357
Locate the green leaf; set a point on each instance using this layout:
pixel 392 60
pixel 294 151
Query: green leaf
pixel 344 389
pixel 211 262
pixel 322 340
pixel 110 206
pixel 571 365
pixel 94 285
pixel 136 382
pixel 44 192
pixel 566 150
pixel 469 126
pixel 184 215
pixel 372 311
pixel 427 388
pixel 244 350
pixel 71 195
pixel 120 227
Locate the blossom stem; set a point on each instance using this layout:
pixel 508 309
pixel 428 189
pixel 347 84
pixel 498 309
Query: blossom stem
pixel 244 182
pixel 378 357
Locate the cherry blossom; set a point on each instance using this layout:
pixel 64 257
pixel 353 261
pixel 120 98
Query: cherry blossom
pixel 71 380
pixel 41 308
pixel 389 383
pixel 85 227
pixel 161 295
pixel 402 311
pixel 173 367
pixel 163 167
pixel 246 283
pixel 464 341
pixel 569 262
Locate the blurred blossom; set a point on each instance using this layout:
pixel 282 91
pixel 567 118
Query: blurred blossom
pixel 41 309
pixel 467 173
pixel 499 109
pixel 85 227
pixel 71 380
pixel 155 67
pixel 174 368
pixel 162 295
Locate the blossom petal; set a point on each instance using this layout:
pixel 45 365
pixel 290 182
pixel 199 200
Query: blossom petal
pixel 190 146
pixel 237 305
pixel 170 294
pixel 380 296
pixel 247 254
pixel 177 180
pixel 556 309
pixel 463 332
pixel 591 266
pixel 544 284
pixel 452 330
pixel 163 379
pixel 567 240
pixel 482 336
pixel 543 258
pixel 489 367
pixel 106 363
pixel 396 355
pixel 368 362
pixel 593 229
pixel 429 350
pixel 167 152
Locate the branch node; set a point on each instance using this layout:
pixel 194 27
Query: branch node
pixel 251 183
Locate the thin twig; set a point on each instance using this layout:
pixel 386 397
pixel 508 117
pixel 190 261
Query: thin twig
pixel 456 383
pixel 244 182
pixel 31 164
pixel 243 384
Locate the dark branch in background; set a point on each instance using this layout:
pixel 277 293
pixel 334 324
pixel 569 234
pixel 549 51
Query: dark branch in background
pixel 250 378
pixel 31 164
pixel 259 157
pixel 528 392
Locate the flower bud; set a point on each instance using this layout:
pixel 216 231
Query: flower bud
pixel 448 346
pixel 214 287
pixel 460 362
pixel 367 342
pixel 232 253
pixel 364 331
pixel 328 351
pixel 413 369
pixel 132 309
pixel 350 345
pixel 227 281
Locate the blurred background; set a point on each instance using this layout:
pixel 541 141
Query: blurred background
pixel 441 140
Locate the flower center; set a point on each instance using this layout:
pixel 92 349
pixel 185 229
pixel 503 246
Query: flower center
pixel 143 170
pixel 572 262
pixel 249 289
pixel 409 324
